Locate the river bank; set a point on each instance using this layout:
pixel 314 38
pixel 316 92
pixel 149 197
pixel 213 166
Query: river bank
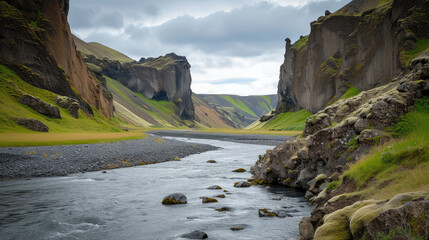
pixel 43 161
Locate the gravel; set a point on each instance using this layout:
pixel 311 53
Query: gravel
pixel 25 162
pixel 43 161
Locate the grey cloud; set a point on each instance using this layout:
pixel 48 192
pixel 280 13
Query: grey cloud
pixel 111 20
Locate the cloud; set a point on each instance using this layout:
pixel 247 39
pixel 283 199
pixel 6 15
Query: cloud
pixel 233 46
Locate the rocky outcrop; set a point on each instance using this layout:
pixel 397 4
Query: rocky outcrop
pixel 37 44
pixel 32 124
pixel 40 106
pixel 362 45
pixel 175 198
pixel 164 78
pixel 340 134
pixel 405 216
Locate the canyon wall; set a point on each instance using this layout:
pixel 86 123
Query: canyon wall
pixel 37 44
pixel 359 45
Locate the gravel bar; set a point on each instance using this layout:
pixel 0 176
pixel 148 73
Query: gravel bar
pixel 43 161
pixel 270 140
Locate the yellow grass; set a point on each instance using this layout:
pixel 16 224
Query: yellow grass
pixel 247 131
pixel 47 139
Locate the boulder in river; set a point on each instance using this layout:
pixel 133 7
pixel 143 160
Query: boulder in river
pixel 242 184
pixel 175 198
pixel 214 187
pixel 211 161
pixel 195 235
pixel 209 200
pixel 273 213
pixel 239 170
pixel 220 196
pixel 223 209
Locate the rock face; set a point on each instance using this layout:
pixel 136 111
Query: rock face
pixel 32 124
pixel 164 78
pixel 37 44
pixel 342 49
pixel 340 134
pixel 40 106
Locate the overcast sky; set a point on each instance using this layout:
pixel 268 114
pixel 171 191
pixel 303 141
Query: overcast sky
pixel 233 46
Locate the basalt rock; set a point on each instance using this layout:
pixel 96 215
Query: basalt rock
pixel 361 44
pixel 175 198
pixel 339 134
pixel 32 124
pixel 40 106
pixel 195 235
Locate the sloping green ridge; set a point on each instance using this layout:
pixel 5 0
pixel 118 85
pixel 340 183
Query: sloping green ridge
pixel 290 121
pixel 100 51
pixel 239 104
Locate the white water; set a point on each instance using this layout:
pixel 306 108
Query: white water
pixel 126 203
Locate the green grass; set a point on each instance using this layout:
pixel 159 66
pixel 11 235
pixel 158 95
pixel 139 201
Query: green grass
pixel 268 100
pixel 350 92
pixel 265 105
pixel 100 51
pixel 239 104
pixel 407 56
pixel 290 121
pixel 160 63
pixel 12 87
pixel 301 42
pixel 402 163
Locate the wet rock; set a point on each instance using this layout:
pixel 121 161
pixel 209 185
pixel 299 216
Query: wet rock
pixel 32 124
pixel 214 187
pixel 306 229
pixel 237 228
pixel 175 198
pixel 211 161
pixel 264 212
pixel 220 196
pixel 224 209
pixel 209 200
pixel 195 235
pixel 40 106
pixel 239 170
pixel 242 184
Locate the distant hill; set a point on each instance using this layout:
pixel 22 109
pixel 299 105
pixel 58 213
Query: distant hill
pixel 241 110
pixel 99 50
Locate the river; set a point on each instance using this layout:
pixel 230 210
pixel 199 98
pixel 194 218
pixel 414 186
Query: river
pixel 126 203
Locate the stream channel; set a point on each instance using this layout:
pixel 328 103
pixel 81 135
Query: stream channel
pixel 126 203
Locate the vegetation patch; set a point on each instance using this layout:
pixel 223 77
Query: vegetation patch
pixel 290 121
pixel 301 42
pixel 407 56
pixel 350 92
pixel 403 163
pixel 239 104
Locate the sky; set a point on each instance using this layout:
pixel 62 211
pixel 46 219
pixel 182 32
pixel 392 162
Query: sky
pixel 233 46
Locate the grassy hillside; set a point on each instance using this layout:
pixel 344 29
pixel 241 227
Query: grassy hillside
pixel 242 110
pixel 290 121
pixel 99 50
pixel 89 128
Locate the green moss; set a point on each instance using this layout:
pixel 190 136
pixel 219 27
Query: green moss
pixel 353 143
pixel 239 170
pixel 301 42
pixel 160 63
pixel 209 200
pixel 407 56
pixel 350 92
pixel 333 185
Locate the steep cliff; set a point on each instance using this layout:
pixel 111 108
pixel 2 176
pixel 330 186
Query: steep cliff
pixel 164 78
pixel 362 45
pixel 37 44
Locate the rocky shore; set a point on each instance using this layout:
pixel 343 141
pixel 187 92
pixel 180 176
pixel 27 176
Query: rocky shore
pixel 43 161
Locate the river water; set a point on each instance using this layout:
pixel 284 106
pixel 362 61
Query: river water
pixel 126 203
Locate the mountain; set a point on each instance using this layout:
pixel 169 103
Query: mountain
pixel 341 52
pixel 241 110
pixel 152 91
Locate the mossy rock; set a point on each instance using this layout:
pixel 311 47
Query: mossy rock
pixel 242 184
pixel 214 187
pixel 175 198
pixel 220 196
pixel 239 170
pixel 211 161
pixel 223 209
pixel 209 200
pixel 238 228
